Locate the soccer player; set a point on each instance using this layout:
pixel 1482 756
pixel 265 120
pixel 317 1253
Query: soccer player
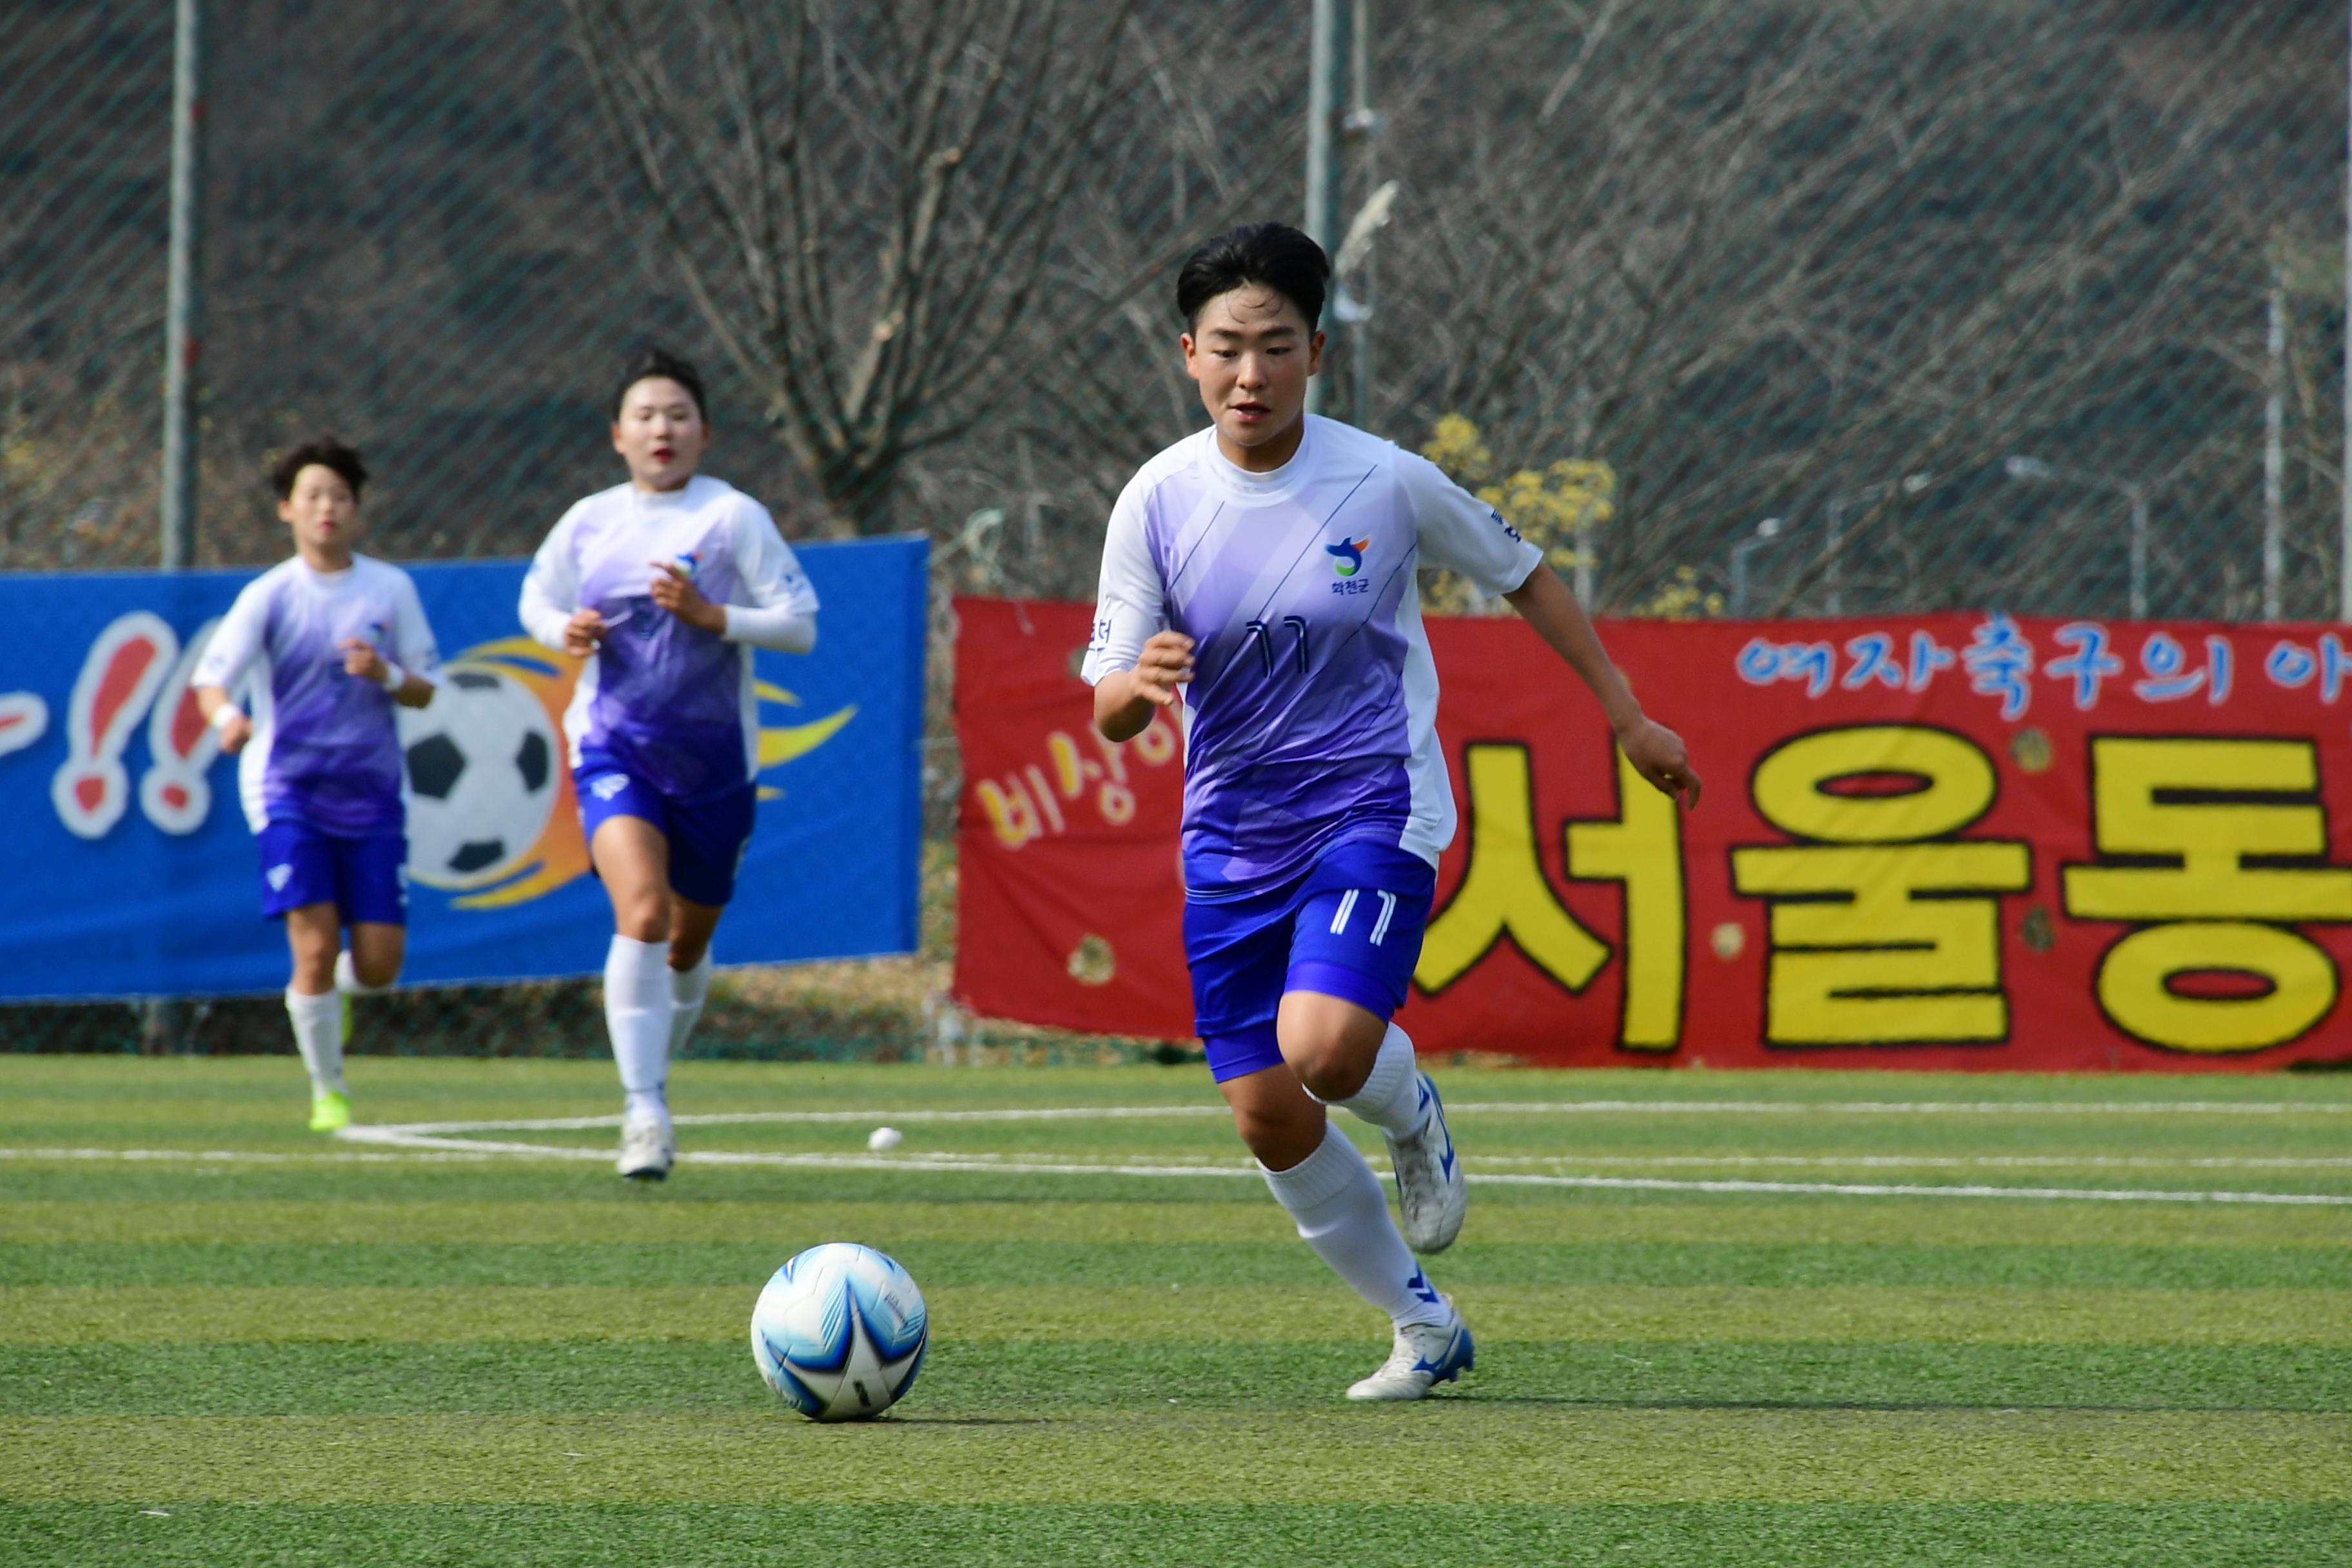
pixel 663 585
pixel 333 639
pixel 1257 581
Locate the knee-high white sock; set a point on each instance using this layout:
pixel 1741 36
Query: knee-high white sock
pixel 636 1016
pixel 1390 1099
pixel 319 1034
pixel 347 978
pixel 688 990
pixel 1342 1214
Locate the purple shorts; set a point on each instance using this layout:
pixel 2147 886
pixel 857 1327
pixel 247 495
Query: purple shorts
pixel 1351 927
pixel 365 878
pixel 707 840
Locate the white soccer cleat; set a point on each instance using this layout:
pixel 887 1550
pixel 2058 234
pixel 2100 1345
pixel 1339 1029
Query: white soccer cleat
pixel 648 1148
pixel 1426 1354
pixel 1430 1189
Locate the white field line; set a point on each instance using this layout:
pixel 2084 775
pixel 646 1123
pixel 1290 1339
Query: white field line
pixel 431 1147
pixel 1486 1108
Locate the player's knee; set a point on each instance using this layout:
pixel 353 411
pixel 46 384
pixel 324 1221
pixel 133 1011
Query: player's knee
pixel 376 970
pixel 1325 1062
pixel 643 918
pixel 1280 1137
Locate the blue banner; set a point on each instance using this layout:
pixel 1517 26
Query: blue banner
pixel 130 870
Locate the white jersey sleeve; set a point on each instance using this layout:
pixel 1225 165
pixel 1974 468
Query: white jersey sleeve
pixel 551 590
pixel 1459 532
pixel 783 611
pixel 236 643
pixel 1132 602
pixel 412 635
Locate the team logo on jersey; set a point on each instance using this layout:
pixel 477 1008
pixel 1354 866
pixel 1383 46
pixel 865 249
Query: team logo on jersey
pixel 689 562
pixel 1348 555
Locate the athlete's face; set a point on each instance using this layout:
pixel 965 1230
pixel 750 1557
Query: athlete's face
pixel 660 434
pixel 323 511
pixel 1252 351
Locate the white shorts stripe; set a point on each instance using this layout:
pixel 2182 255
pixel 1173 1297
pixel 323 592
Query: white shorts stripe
pixel 1380 926
pixel 1346 908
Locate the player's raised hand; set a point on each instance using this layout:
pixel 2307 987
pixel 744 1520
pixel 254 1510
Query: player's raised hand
pixel 1164 668
pixel 1658 754
pixel 582 632
pixel 360 658
pixel 674 591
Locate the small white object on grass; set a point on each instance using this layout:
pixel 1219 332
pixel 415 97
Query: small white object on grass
pixel 883 1138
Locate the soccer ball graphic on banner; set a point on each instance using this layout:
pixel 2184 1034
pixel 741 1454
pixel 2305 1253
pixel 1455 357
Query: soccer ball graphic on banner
pixel 839 1332
pixel 481 777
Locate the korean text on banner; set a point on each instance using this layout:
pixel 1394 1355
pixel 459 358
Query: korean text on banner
pixel 1935 841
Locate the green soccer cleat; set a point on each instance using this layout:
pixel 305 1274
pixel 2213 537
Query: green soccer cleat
pixel 331 1110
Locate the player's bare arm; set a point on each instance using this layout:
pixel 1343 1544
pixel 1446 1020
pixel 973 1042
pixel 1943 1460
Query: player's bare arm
pixel 1656 753
pixel 363 660
pixel 674 591
pixel 1125 699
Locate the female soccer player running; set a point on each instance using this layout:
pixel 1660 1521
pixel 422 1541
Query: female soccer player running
pixel 339 638
pixel 1258 577
pixel 663 585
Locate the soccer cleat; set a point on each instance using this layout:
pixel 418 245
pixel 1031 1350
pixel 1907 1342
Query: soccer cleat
pixel 1430 1189
pixel 1426 1354
pixel 331 1110
pixel 648 1148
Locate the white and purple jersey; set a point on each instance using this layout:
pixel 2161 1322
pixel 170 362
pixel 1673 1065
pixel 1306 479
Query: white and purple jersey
pixel 664 702
pixel 325 750
pixel 1312 714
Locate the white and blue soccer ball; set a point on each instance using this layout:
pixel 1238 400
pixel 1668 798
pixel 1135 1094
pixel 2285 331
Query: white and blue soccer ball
pixel 839 1332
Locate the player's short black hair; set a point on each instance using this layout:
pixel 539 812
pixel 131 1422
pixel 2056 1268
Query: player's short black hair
pixel 1273 255
pixel 652 361
pixel 327 452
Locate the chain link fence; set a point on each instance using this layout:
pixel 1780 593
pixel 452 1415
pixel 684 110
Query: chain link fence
pixel 1768 306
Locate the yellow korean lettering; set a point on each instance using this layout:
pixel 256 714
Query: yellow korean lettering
pixel 1503 892
pixel 2209 806
pixel 1955 779
pixel 1879 944
pixel 1643 849
pixel 2137 976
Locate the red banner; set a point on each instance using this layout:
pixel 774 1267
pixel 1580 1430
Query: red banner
pixel 1932 841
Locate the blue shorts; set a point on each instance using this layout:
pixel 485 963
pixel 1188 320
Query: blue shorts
pixel 1349 927
pixel 707 840
pixel 365 878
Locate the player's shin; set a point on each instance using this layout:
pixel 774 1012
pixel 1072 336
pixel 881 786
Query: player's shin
pixel 1337 1203
pixel 689 989
pixel 637 1017
pixel 318 1024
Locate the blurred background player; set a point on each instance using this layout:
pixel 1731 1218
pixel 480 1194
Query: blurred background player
pixel 663 585
pixel 338 638
pixel 1259 575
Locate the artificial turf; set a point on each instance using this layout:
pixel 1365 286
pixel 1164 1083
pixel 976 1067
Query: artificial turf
pixel 224 1340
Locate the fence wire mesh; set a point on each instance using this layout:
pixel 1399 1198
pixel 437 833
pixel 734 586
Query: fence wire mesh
pixel 2035 304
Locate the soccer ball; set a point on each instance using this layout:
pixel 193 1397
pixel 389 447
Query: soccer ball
pixel 839 1332
pixel 481 777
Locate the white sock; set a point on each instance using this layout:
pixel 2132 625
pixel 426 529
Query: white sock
pixel 1343 1215
pixel 347 979
pixel 319 1034
pixel 1390 1099
pixel 687 988
pixel 636 1016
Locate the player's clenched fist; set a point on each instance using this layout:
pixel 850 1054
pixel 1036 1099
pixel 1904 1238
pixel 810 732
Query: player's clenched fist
pixel 582 632
pixel 1658 754
pixel 1163 669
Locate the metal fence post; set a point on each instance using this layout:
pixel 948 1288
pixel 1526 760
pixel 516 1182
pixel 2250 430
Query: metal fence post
pixel 1327 88
pixel 164 1022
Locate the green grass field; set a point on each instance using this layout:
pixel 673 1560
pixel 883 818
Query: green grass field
pixel 225 1341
